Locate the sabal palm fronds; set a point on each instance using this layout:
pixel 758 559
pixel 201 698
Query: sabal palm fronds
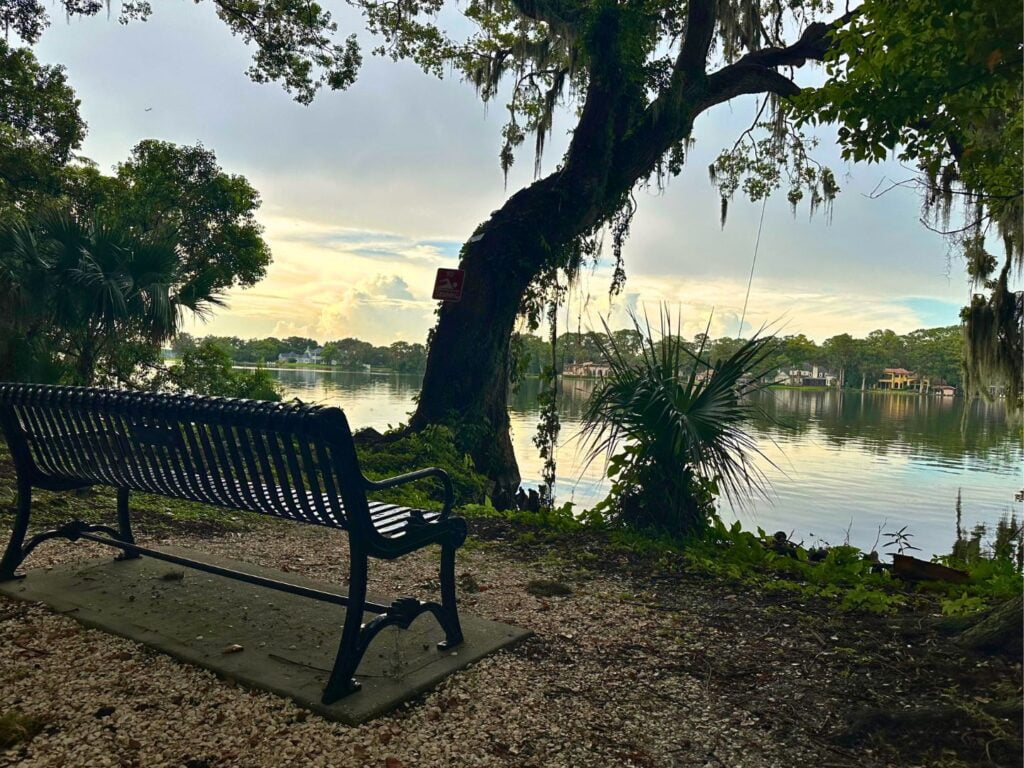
pixel 100 282
pixel 23 264
pixel 672 426
pixel 24 302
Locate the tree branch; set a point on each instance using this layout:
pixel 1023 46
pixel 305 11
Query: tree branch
pixel 739 79
pixel 755 72
pixel 700 30
pixel 669 118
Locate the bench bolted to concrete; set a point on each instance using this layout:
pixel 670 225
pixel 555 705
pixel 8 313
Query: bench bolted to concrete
pixel 291 461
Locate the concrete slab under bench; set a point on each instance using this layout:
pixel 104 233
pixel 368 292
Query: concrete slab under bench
pixel 255 636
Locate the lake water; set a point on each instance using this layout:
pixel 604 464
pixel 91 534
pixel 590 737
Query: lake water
pixel 843 462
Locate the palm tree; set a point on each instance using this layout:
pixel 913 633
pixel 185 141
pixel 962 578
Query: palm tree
pixel 671 428
pixel 23 299
pixel 94 284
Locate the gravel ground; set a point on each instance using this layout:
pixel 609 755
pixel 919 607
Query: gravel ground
pixel 622 672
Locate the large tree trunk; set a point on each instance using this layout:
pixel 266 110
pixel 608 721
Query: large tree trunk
pixel 466 381
pixel 467 376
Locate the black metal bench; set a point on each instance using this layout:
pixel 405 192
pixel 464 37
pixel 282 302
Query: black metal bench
pixel 288 460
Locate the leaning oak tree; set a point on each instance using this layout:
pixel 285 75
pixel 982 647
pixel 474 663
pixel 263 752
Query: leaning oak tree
pixel 635 73
pixel 637 76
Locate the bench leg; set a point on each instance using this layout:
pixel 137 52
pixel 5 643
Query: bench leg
pixel 124 525
pixel 13 554
pixel 350 652
pixel 452 627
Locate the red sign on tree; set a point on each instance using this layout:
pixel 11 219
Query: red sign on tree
pixel 448 284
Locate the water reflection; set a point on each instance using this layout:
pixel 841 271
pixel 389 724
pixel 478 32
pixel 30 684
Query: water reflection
pixel 924 426
pixel 846 460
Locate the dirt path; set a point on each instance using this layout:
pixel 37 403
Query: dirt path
pixel 625 670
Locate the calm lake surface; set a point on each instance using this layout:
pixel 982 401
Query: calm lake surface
pixel 842 461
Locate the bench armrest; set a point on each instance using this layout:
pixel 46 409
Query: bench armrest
pixel 419 474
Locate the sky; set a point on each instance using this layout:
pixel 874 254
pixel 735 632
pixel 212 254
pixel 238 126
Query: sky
pixel 368 191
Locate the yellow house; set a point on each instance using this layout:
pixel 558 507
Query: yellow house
pixel 901 378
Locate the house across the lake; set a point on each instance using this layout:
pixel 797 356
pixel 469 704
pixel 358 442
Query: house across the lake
pixel 816 377
pixel 587 370
pixel 309 356
pixel 901 378
pixel 944 390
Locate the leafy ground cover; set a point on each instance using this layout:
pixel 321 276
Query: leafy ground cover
pixel 852 580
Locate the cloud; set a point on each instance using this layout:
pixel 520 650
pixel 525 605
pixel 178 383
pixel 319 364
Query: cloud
pixel 291 234
pixel 331 282
pixel 934 312
pixel 780 306
pixel 283 329
pixel 380 310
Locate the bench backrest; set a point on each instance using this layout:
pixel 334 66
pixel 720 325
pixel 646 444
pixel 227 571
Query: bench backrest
pixel 289 460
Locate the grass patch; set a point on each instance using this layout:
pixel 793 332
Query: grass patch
pixel 17 727
pixel 432 447
pixel 548 588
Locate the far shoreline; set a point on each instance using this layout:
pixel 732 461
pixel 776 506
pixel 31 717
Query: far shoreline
pixel 391 372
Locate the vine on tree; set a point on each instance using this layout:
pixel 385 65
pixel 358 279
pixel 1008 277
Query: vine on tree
pixel 550 425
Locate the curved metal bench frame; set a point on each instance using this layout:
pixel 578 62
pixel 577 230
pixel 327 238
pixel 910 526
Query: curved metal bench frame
pixel 292 461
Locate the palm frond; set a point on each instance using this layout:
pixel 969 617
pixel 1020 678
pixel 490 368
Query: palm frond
pixel 683 418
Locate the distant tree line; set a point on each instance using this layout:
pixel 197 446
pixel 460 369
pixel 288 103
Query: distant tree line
pixel 935 353
pixel 346 354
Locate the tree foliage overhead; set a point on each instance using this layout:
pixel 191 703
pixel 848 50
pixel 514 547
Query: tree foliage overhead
pixel 939 83
pixel 293 38
pixel 40 127
pixel 166 185
pixel 645 59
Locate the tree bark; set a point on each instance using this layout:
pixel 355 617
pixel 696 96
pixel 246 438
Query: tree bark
pixel 467 375
pixel 466 380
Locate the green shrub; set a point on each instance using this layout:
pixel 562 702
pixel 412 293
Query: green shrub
pixel 552 520
pixel 433 446
pixel 206 369
pixel 672 428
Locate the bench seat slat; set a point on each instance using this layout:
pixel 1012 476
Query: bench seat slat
pixel 245 455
